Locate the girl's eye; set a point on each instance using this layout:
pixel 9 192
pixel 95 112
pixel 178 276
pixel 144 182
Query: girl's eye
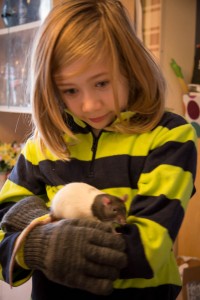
pixel 102 83
pixel 70 91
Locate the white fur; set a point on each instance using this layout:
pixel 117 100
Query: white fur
pixel 82 196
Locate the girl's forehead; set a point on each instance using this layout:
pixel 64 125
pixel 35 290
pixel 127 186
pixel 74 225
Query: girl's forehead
pixel 84 66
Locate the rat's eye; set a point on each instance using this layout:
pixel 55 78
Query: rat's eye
pixel 115 210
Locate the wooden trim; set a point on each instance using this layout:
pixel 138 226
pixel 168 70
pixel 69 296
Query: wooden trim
pixel 189 237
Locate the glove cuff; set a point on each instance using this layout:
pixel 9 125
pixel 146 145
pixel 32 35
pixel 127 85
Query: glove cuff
pixel 41 244
pixel 22 213
pixel 36 247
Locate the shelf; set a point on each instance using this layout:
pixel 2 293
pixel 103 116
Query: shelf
pixel 16 47
pixel 15 52
pixel 15 109
pixel 20 27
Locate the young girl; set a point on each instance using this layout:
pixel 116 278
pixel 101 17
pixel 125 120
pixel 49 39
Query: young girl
pixel 98 110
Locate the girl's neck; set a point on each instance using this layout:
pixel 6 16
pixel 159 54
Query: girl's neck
pixel 96 131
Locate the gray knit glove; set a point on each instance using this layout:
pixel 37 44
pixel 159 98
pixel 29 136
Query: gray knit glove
pixel 22 213
pixel 77 253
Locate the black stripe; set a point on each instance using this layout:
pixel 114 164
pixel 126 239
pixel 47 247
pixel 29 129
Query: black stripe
pixel 27 175
pixel 171 120
pixel 73 126
pixel 109 172
pixel 6 248
pixel 173 153
pixel 4 207
pixel 138 265
pixel 167 213
pixel 44 289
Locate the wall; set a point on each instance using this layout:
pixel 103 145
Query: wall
pixel 189 238
pixel 14 127
pixel 22 292
pixel 169 32
pixel 178 21
pixel 151 26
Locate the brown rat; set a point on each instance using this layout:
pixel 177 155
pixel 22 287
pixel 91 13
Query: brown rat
pixel 77 200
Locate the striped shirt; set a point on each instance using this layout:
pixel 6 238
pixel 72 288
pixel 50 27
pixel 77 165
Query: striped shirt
pixel 155 169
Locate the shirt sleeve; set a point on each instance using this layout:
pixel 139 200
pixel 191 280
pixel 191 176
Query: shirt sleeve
pixel 165 187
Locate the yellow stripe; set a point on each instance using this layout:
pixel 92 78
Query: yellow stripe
pixel 125 143
pixel 156 241
pixel 14 191
pixel 168 180
pixel 157 246
pixel 20 258
pixel 33 153
pixel 2 234
pixel 180 134
pixel 168 274
pixel 81 152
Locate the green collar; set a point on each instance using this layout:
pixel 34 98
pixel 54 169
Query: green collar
pixel 124 116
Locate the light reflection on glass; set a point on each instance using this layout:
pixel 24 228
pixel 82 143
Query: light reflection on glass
pixel 15 49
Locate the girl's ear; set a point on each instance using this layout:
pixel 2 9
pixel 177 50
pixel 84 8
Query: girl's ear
pixel 106 201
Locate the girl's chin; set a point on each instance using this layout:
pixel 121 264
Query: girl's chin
pixel 98 126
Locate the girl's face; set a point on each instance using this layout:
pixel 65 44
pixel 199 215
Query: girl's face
pixel 88 94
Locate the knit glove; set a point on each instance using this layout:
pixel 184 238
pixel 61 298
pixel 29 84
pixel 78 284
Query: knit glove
pixel 22 213
pixel 77 253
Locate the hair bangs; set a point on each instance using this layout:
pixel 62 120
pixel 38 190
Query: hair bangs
pixel 90 44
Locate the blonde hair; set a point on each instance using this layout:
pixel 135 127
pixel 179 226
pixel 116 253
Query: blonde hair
pixel 87 28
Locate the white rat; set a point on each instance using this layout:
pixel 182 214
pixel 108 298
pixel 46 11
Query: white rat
pixel 73 201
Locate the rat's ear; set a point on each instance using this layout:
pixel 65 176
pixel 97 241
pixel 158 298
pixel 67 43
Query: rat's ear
pixel 106 201
pixel 124 198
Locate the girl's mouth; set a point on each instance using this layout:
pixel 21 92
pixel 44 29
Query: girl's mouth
pixel 98 119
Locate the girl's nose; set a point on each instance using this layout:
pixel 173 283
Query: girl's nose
pixel 90 103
